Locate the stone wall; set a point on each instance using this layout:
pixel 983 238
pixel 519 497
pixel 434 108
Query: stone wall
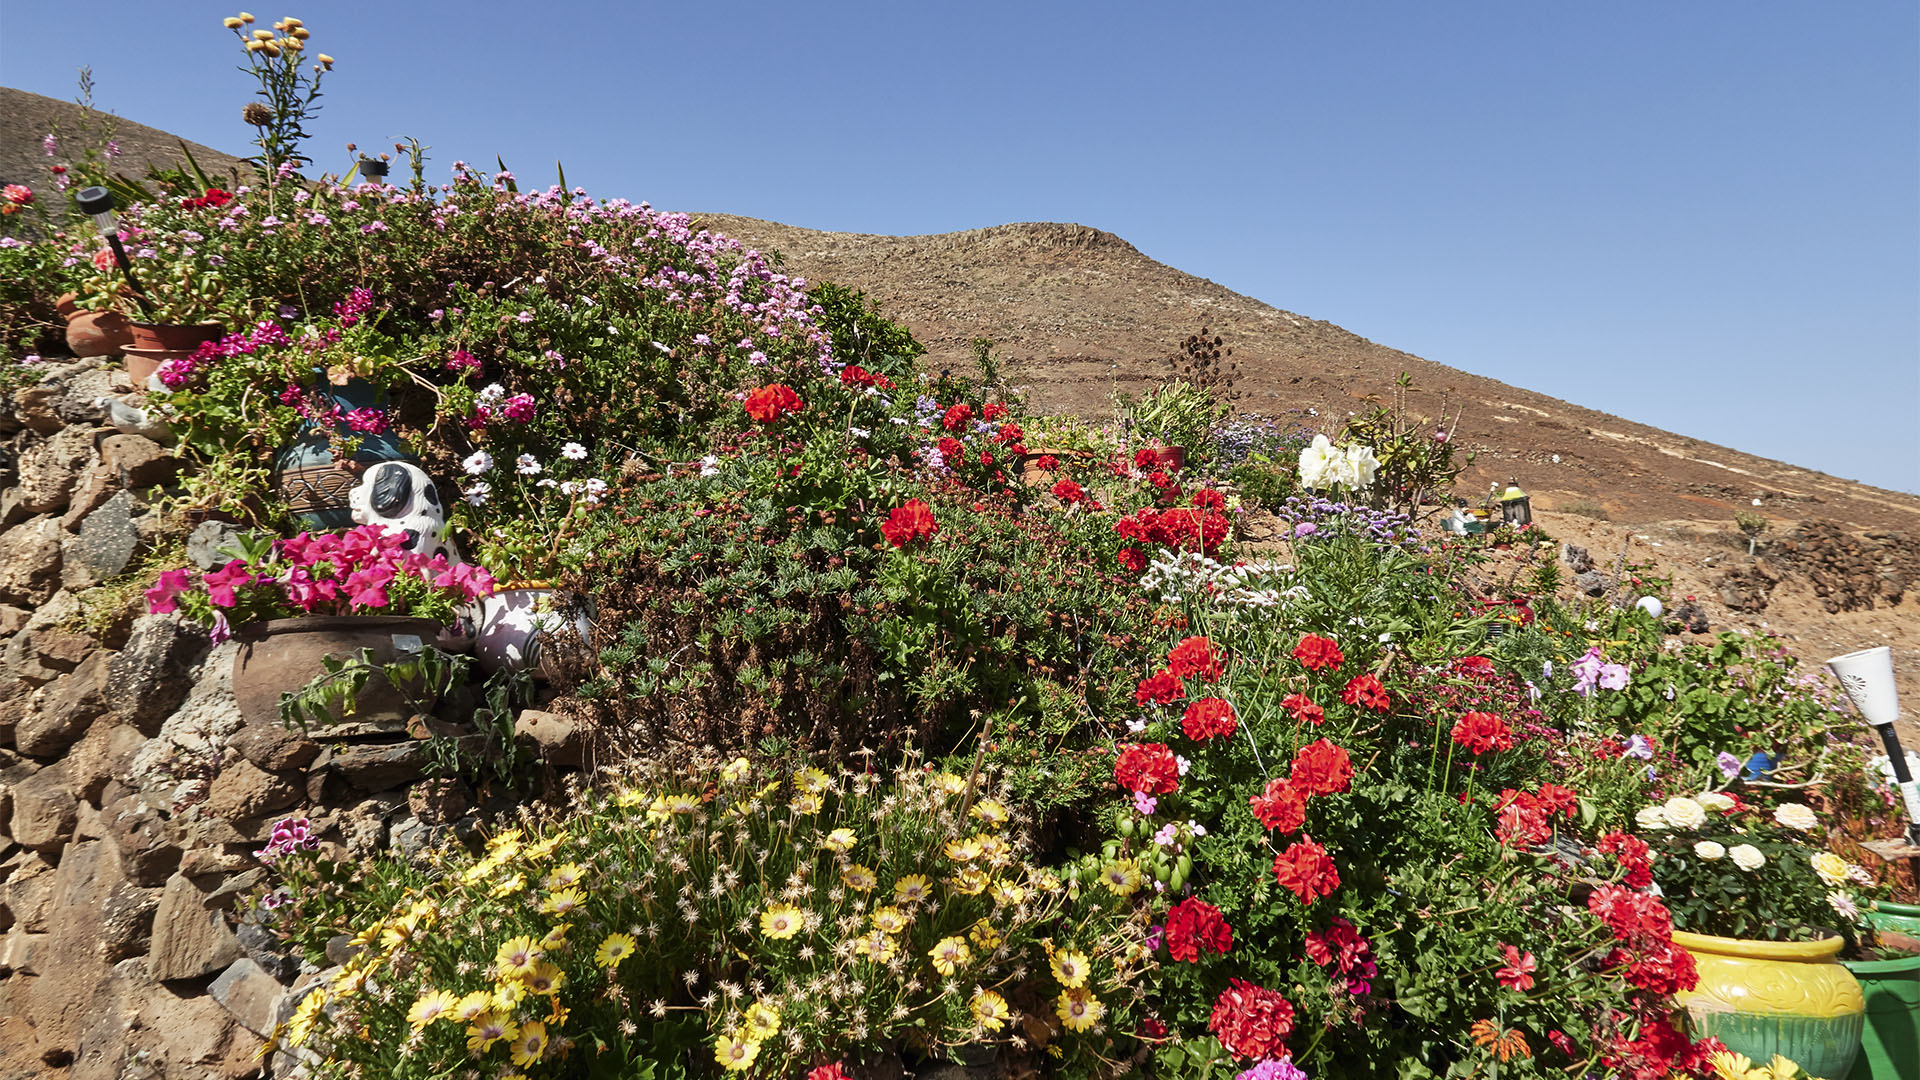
pixel 133 795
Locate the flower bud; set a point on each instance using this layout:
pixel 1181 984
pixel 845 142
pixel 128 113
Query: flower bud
pixel 270 48
pixel 263 35
pixel 281 25
pixel 291 21
pixel 253 46
pixel 327 60
pixel 231 23
pixel 246 16
pixel 300 32
pixel 291 44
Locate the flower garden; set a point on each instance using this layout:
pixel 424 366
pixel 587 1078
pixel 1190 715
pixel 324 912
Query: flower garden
pixel 923 729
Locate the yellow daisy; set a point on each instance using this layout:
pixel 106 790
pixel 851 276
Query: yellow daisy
pixel 910 889
pixel 947 783
pixel 629 797
pixel 536 852
pixel 991 812
pixel 562 902
pixel 431 1005
pixel 472 1007
pixel 762 1022
pixel 472 875
pixel 984 936
pixel 812 781
pixel 305 1015
pixel 1078 1009
pixel 516 957
pixel 989 1010
pixel 565 876
pixel 993 849
pixel 736 770
pixel 510 886
pixel 530 1044
pixel 1045 881
pixel 1007 894
pixel 613 949
pixel 859 878
pixel 875 946
pixel 681 804
pixel 734 1054
pixel 1122 878
pixel 949 955
pixel 890 920
pixel 781 921
pixel 839 841
pixel 507 995
pixel 1728 1065
pixel 370 935
pixel 505 844
pixel 970 881
pixel 805 802
pixel 489 1028
pixel 1071 968
pixel 967 850
pixel 555 940
pixel 398 932
pixel 544 979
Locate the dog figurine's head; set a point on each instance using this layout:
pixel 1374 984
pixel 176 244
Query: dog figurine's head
pixel 401 496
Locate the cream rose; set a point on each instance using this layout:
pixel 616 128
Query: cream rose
pixel 1683 812
pixel 1831 868
pixel 1709 850
pixel 1650 817
pixel 1796 816
pixel 1714 800
pixel 1746 857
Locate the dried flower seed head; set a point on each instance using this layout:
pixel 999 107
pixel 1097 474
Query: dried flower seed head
pixel 256 114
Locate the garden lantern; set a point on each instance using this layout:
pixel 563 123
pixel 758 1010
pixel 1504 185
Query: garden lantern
pixel 98 202
pixel 1515 506
pixel 1867 677
pixel 373 170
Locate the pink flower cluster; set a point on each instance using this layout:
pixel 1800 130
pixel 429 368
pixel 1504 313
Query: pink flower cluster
pixel 179 372
pixel 289 835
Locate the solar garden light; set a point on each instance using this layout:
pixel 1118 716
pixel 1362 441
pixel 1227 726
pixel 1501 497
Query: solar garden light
pixel 98 202
pixel 373 170
pixel 1867 677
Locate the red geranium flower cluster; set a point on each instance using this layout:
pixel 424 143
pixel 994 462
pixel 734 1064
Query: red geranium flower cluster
pixel 952 450
pixel 1480 732
pixel 1522 818
pixel 1180 529
pixel 956 417
pixel 1148 769
pixel 1366 691
pixel 1634 856
pixel 1344 949
pixel 1160 688
pixel 1316 652
pixel 1209 499
pixel 1209 718
pixel 1251 1021
pixel 1133 559
pixel 1194 658
pixel 908 523
pixel 773 401
pixel 1322 768
pixel 215 197
pixel 855 375
pixel 1644 929
pixel 1069 492
pixel 1193 925
pixel 1306 871
pixel 1281 806
pixel 1303 710
pixel 1660 1051
pixel 1517 973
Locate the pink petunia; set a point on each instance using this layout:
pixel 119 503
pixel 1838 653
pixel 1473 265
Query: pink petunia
pixel 161 598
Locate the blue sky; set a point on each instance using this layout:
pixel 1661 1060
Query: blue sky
pixel 1703 216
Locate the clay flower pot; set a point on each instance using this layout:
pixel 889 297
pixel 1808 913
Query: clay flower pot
pixel 281 656
pixel 1763 998
pixel 153 344
pixel 1032 475
pixel 93 333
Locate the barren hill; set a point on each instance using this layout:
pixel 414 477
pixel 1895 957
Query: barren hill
pixel 26 118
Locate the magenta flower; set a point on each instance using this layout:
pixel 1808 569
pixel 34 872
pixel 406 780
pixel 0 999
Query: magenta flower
pixel 519 408
pixel 220 584
pixel 161 597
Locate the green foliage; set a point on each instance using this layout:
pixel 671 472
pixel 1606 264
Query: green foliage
pixel 1416 466
pixel 1175 413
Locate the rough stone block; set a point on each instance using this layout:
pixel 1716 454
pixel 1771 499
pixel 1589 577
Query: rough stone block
pixel 139 462
pixel 30 562
pixel 44 812
pixel 189 940
pixel 242 790
pixel 250 994
pixel 139 831
pixel 61 711
pixel 152 675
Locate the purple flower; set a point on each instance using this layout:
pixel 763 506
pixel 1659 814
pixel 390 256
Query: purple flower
pixel 161 597
pixel 1586 671
pixel 1613 677
pixel 1305 528
pixel 1281 1069
pixel 519 408
pixel 1729 765
pixel 1638 746
pixel 50 144
pixel 1145 803
pixel 523 317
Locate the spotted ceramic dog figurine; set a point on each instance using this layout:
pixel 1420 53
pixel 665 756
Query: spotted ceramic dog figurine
pixel 400 496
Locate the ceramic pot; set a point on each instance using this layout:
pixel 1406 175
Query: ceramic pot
pixel 281 656
pixel 181 338
pixel 1890 1042
pixel 1032 475
pixel 531 625
pixel 1763 998
pixel 1169 458
pixel 312 481
pixel 1887 915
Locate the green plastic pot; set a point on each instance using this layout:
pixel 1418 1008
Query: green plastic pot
pixel 1890 1042
pixel 1891 916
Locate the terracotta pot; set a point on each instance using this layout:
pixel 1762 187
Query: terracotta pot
pixel 281 656
pixel 1763 998
pixel 1032 475
pixel 530 625
pixel 1171 458
pixel 93 333
pixel 181 338
pixel 67 304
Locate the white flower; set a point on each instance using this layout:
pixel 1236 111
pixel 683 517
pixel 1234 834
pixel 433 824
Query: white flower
pixel 860 433
pixel 710 466
pixel 1709 850
pixel 526 465
pixel 1683 812
pixel 1360 466
pixel 478 493
pixel 573 451
pixel 478 462
pixel 491 393
pixel 1746 857
pixel 1715 801
pixel 1796 816
pixel 1650 817
pixel 1316 460
pixel 1831 868
pixel 1844 904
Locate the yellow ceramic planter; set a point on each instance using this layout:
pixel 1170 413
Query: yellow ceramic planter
pixel 1763 998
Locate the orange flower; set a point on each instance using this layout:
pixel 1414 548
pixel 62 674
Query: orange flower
pixel 1505 1044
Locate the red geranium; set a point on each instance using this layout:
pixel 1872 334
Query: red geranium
pixel 1321 768
pixel 1160 688
pixel 1194 658
pixel 952 450
pixel 1047 462
pixel 1555 799
pixel 1518 818
pixel 1193 925
pixel 1148 769
pixel 956 418
pixel 771 402
pixel 1317 652
pixel 1145 458
pixel 1281 806
pixel 1008 433
pixel 1635 857
pixel 1518 972
pixel 1133 559
pixel 215 197
pixel 1069 492
pixel 1306 871
pixel 1251 1021
pixel 828 1072
pixel 1303 709
pixel 908 523
pixel 1666 970
pixel 1366 691
pixel 1209 718
pixel 855 375
pixel 992 410
pixel 1480 732
pixel 1209 499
